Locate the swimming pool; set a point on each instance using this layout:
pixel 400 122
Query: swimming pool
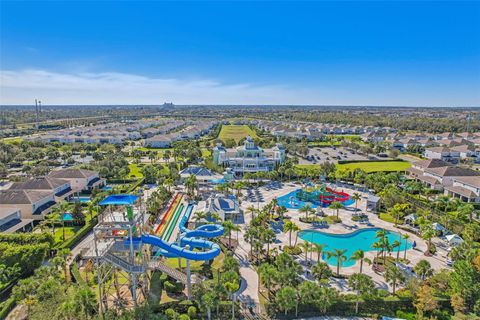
pixel 359 240
pixel 291 201
pixel 80 199
pixel 67 216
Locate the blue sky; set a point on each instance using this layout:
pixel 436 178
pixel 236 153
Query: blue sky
pixel 353 53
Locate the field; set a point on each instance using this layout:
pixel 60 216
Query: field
pixel 135 170
pixel 375 166
pixel 235 132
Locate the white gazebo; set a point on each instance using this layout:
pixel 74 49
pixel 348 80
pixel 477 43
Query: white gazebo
pixel 454 240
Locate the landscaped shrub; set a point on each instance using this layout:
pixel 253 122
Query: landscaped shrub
pixel 173 287
pixel 333 219
pixel 192 312
pixel 292 250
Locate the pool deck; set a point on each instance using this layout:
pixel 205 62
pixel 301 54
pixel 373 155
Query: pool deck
pixel 265 194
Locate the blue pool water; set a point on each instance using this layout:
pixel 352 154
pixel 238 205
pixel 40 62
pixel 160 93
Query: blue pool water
pixel 81 199
pixel 107 188
pixel 358 240
pixel 67 216
pixel 290 201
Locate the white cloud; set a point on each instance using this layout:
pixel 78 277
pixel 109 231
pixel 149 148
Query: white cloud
pixel 22 87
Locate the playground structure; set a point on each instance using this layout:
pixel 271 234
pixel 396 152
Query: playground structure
pixel 316 196
pixel 322 195
pixel 126 249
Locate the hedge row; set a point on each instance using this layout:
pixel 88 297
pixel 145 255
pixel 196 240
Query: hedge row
pixel 376 160
pixel 6 307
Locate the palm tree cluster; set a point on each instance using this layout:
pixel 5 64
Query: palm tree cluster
pixel 259 232
pixel 284 287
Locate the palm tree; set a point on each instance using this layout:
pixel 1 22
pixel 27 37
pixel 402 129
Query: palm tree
pixel 339 255
pixel 423 269
pixel 336 206
pixel 362 284
pixel 405 237
pixel 397 244
pixel 306 248
pixel 268 274
pixel 64 254
pixel 231 288
pixel 85 301
pixel 394 276
pixel 305 209
pixel 356 197
pixel 321 271
pixel 252 210
pixel 268 236
pixel 191 184
pixel 318 248
pixel 360 255
pixel 229 226
pixel 290 227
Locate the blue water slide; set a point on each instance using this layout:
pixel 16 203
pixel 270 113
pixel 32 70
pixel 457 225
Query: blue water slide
pixel 190 238
pixel 172 250
pixel 205 231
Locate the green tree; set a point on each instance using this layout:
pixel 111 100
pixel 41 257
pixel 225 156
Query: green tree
pixel 290 227
pixel 423 269
pixel 286 299
pixel 339 255
pixel 336 206
pixel 362 284
pixel 359 255
pixel 321 271
pixel 394 276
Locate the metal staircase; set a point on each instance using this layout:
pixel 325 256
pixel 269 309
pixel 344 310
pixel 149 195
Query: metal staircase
pixel 174 273
pixel 120 263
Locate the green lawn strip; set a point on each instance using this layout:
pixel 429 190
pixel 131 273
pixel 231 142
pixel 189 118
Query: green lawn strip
pixel 169 229
pixel 376 166
pixel 236 132
pixel 135 170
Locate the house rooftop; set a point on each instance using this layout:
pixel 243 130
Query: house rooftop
pixel 23 196
pixel 431 163
pixel 39 183
pixel 72 173
pixel 453 172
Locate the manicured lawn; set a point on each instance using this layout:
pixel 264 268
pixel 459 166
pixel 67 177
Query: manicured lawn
pixel 12 140
pixel 158 150
pixel 376 166
pixel 134 170
pixel 236 132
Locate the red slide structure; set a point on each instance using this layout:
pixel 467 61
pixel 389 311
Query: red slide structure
pixel 335 196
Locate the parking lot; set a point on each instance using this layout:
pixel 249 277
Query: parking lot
pixel 318 155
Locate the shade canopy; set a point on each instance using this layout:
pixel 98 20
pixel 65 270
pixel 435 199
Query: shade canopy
pixel 119 200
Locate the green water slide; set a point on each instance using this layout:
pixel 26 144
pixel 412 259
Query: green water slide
pixel 173 222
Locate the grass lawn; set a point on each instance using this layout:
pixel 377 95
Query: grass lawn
pixel 12 140
pixel 134 170
pixel 236 132
pixel 69 232
pixel 375 166
pixel 160 151
pixel 387 217
pixel 206 153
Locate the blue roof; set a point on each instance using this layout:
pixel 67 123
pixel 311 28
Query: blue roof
pixel 119 199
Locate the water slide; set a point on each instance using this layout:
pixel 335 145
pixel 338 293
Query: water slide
pixel 173 222
pixel 190 239
pixel 334 196
pixel 166 217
